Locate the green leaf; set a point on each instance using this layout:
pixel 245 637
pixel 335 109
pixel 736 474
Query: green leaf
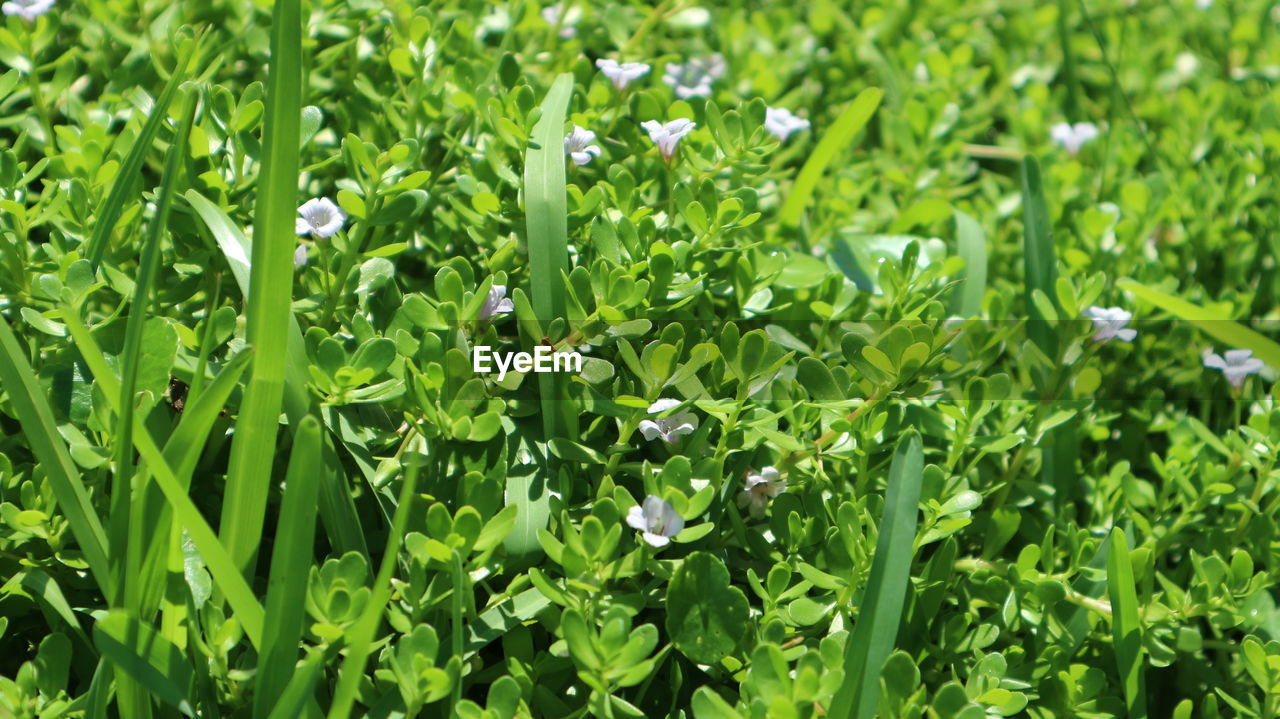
pixel 708 705
pixel 148 658
pixel 1040 259
pixel 1214 324
pixel 271 292
pixel 852 119
pixel 546 221
pixel 41 433
pixel 291 561
pixel 1126 627
pixel 880 611
pixel 971 244
pixel 706 615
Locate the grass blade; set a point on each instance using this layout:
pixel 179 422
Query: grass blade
pixel 971 245
pixel 124 510
pixel 216 557
pixel 875 633
pixel 271 292
pixel 1233 334
pixel 1126 628
pixel 290 564
pixel 146 657
pixel 546 221
pixel 129 175
pixel 337 510
pixel 1040 260
pixel 361 635
pixel 545 209
pixel 36 417
pixel 852 119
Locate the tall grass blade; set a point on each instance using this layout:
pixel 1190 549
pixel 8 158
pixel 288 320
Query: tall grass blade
pixel 546 222
pixel 545 204
pixel 36 417
pixel 216 557
pixel 337 510
pixel 290 563
pixel 1040 260
pixel 852 119
pixel 124 509
pixel 971 245
pixel 128 177
pixel 1126 628
pixel 145 657
pixel 271 292
pixel 1216 325
pixel 883 599
pixel 361 635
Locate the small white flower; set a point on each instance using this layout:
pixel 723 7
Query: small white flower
pixel 551 14
pixel 577 145
pixel 1109 322
pixel 760 489
pixel 656 519
pixel 670 429
pixel 320 217
pixel 1204 4
pixel 496 303
pixel 1236 365
pixel 693 78
pixel 667 136
pixel 1073 137
pixel 780 122
pixel 300 257
pixel 27 9
pixel 1186 63
pixel 622 74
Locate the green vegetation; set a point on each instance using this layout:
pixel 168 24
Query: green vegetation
pixel 927 349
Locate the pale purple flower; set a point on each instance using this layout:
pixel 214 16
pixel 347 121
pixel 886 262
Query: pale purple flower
pixel 320 217
pixel 780 122
pixel 670 429
pixel 622 74
pixel 300 257
pixel 1072 137
pixel 27 9
pixel 693 78
pixel 656 519
pixel 496 303
pixel 1236 365
pixel 760 489
pixel 578 145
pixel 551 14
pixel 667 136
pixel 1109 322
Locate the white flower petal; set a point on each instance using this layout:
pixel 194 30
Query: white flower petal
pixel 636 518
pixel 663 405
pixel 656 540
pixel 650 429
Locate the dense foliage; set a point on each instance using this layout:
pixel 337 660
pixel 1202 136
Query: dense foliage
pixel 924 359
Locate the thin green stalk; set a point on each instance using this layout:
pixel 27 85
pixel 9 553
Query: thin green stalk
pixel 126 180
pixel 271 293
pixel 124 510
pixel 344 696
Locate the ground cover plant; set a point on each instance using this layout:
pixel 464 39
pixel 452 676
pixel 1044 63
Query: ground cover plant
pixel 916 359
